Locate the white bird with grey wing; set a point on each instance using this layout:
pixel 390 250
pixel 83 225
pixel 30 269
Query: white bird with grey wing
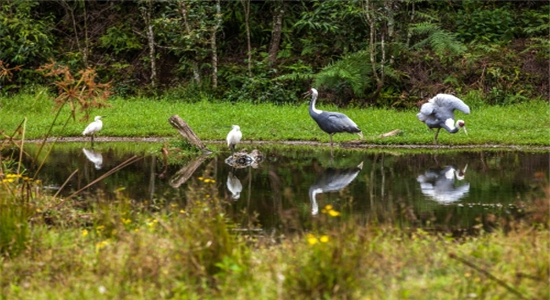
pixel 234 137
pixel 438 113
pixel 331 122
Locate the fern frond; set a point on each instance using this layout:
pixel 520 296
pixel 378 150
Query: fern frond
pixel 353 70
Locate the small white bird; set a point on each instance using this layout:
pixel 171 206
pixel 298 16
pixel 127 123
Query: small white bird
pixel 234 137
pixel 93 128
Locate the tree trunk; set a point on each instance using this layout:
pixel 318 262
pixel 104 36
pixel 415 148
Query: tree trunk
pixel 146 14
pixel 83 51
pixel 246 6
pixel 369 14
pixel 276 33
pixel 194 63
pixel 214 47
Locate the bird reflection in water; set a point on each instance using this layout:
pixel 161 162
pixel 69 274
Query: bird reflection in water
pixel 234 186
pixel 331 180
pixel 95 157
pixel 439 184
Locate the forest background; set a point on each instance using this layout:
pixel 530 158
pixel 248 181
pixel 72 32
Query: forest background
pixel 392 53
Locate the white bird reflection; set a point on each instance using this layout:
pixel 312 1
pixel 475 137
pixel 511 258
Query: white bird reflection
pixel 95 157
pixel 331 180
pixel 439 184
pixel 234 186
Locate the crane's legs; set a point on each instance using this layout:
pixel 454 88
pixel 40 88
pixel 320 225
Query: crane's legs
pixel 92 136
pixel 331 154
pixel 436 133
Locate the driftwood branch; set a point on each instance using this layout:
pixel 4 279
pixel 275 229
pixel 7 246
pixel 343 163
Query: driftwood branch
pixel 391 133
pixel 186 132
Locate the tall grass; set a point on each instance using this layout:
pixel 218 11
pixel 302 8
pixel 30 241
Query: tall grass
pixel 518 124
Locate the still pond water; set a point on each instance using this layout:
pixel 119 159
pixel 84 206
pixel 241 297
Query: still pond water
pixel 443 190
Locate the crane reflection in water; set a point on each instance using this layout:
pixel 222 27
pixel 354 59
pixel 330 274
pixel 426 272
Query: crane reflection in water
pixel 95 157
pixel 439 184
pixel 331 180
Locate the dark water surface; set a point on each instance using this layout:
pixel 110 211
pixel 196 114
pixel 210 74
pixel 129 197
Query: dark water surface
pixel 440 189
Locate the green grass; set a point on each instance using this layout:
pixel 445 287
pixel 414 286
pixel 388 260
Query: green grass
pixel 519 124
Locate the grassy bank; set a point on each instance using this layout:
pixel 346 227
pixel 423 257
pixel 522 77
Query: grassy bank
pixel 519 124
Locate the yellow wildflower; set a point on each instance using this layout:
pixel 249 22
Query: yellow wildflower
pixel 182 211
pixel 328 207
pixel 201 178
pixel 100 245
pixel 323 239
pixel 333 213
pixel 85 232
pixel 311 239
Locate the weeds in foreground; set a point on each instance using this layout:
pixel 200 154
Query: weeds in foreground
pixel 82 93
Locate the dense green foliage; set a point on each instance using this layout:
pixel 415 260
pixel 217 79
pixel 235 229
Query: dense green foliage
pixel 386 53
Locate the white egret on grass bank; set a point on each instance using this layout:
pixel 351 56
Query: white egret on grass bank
pixel 438 113
pixel 331 122
pixel 93 128
pixel 234 137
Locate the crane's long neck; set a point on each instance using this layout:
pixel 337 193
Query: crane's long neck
pixel 312 109
pixel 451 126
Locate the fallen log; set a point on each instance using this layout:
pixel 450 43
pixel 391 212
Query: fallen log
pixel 187 133
pixel 391 133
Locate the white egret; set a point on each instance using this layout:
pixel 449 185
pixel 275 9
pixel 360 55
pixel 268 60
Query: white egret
pixel 234 137
pixel 93 128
